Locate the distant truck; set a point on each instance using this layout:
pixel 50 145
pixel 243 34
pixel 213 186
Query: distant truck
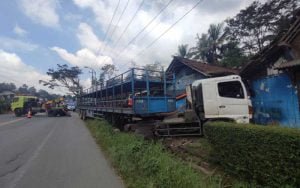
pixel 56 107
pixel 22 104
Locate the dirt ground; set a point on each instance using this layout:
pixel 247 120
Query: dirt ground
pixel 194 150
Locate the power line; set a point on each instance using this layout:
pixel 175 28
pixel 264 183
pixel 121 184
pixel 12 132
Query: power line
pixel 147 25
pixel 152 29
pixel 167 30
pixel 129 23
pixel 117 24
pixel 127 26
pixel 120 18
pixel 105 36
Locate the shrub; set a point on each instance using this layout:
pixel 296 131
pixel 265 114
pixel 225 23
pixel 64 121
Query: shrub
pixel 4 106
pixel 267 156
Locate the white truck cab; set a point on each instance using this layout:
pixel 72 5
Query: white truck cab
pixel 220 98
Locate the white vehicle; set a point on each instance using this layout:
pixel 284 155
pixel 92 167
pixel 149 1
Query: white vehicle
pixel 220 98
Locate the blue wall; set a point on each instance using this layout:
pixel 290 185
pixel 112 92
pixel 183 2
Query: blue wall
pixel 275 101
pixel 186 76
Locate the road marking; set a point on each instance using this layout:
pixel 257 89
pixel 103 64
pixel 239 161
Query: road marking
pixel 28 164
pixel 12 121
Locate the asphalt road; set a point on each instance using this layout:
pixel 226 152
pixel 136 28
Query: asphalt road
pixel 51 152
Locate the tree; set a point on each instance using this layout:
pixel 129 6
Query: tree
pixel 233 55
pixel 23 89
pixel 257 25
pixel 154 70
pixel 7 87
pixel 32 90
pixel 64 76
pixel 107 72
pixel 208 47
pixel 182 50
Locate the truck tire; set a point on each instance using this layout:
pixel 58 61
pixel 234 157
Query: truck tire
pixel 50 113
pixel 83 115
pixel 61 113
pixel 80 114
pixel 18 112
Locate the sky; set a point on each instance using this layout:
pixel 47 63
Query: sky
pixel 36 35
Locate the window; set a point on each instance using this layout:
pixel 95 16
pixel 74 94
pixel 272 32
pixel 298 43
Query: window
pixel 232 89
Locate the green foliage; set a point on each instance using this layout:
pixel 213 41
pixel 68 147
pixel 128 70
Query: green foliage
pixel 257 25
pixel 182 50
pixel 233 55
pixel 144 163
pixel 4 106
pixel 267 156
pixel 208 47
pixel 7 87
pixel 64 76
pixel 252 29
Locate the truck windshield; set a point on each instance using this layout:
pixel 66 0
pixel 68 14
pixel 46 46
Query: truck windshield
pixel 232 89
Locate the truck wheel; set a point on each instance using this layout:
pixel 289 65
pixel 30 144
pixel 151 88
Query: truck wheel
pixel 50 113
pixel 18 112
pixel 80 114
pixel 62 113
pixel 83 115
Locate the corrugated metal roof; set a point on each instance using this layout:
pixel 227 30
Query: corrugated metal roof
pixel 289 64
pixel 6 93
pixel 283 39
pixel 203 68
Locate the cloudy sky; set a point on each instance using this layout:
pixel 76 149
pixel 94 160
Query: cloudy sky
pixel 35 35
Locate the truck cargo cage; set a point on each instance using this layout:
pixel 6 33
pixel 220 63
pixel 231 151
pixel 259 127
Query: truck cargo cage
pixel 137 92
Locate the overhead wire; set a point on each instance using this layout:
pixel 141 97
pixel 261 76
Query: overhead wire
pixel 146 26
pixel 151 30
pixel 121 15
pixel 169 28
pixel 129 23
pixel 108 28
pixel 127 26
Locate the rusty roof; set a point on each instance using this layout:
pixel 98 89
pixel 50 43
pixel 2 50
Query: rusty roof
pixel 283 39
pixel 293 63
pixel 203 68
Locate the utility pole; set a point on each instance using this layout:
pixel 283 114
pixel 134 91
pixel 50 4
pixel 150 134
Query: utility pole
pixel 94 78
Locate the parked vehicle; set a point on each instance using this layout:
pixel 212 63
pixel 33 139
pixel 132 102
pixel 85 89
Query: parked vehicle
pixel 71 107
pixel 56 107
pixel 22 104
pixel 220 98
pixel 140 101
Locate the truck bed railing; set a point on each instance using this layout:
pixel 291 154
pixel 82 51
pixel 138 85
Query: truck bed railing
pixel 134 74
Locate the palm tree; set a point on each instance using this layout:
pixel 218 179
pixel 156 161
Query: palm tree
pixel 209 45
pixel 182 50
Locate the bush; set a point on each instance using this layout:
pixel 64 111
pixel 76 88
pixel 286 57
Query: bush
pixel 4 106
pixel 144 163
pixel 267 156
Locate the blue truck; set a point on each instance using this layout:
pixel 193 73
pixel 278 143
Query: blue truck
pixel 145 101
pixel 137 95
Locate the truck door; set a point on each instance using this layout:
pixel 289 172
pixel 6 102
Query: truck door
pixel 209 99
pixel 233 102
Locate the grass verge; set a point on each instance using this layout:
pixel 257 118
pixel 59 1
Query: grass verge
pixel 145 163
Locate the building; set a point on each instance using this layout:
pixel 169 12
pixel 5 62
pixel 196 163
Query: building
pixel 273 77
pixel 186 71
pixel 6 95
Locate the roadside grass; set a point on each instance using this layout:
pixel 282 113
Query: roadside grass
pixel 144 163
